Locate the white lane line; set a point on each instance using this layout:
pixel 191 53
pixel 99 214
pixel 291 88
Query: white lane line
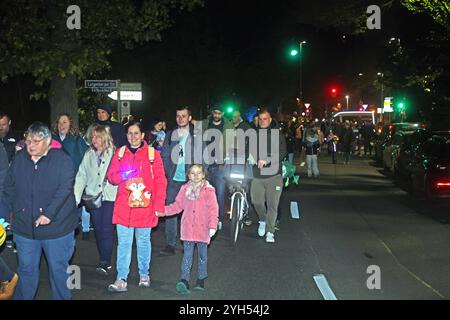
pixel 295 214
pixel 325 290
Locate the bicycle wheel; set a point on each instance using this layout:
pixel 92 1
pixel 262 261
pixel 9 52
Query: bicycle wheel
pixel 236 217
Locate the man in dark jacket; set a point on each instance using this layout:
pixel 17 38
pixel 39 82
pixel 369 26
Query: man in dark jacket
pixel 118 133
pixel 215 128
pixel 39 191
pixel 312 145
pixel 267 183
pixel 182 147
pixel 7 136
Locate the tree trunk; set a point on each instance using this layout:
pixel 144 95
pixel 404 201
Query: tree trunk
pixel 63 98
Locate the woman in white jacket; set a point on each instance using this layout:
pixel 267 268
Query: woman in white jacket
pixel 91 179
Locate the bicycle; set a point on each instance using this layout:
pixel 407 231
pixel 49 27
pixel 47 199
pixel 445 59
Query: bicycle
pixel 237 177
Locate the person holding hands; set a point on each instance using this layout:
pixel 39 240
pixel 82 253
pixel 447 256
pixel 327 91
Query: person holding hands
pixel 197 199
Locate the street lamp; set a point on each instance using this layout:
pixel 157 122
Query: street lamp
pixel 381 74
pixel 301 58
pixel 300 53
pixel 346 97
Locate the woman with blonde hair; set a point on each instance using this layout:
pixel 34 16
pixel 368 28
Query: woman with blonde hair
pixel 91 180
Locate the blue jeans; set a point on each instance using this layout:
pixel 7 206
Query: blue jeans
pixel 85 217
pixel 125 247
pixel 186 264
pixel 171 224
pixel 104 230
pixel 216 178
pixel 311 161
pixel 58 253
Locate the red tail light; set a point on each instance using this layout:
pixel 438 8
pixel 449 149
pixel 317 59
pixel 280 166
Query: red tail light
pixel 442 185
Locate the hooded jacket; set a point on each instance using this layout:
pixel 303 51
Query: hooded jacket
pixel 155 184
pixel 198 216
pixel 311 144
pixel 41 188
pixel 75 146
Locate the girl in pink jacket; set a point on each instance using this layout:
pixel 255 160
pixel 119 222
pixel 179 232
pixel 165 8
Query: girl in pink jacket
pixel 197 199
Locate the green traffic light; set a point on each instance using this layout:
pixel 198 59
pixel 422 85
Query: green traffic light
pixel 294 53
pixel 230 109
pixel 401 105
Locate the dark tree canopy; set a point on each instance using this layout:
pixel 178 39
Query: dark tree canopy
pixel 35 39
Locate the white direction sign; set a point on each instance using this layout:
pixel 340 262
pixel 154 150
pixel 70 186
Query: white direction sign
pixel 127 95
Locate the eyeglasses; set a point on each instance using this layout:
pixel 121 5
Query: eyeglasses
pixel 33 142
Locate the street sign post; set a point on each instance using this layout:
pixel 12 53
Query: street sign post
pixel 101 84
pixel 125 108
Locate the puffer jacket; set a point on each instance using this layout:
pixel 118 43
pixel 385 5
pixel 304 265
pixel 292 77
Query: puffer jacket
pixel 198 216
pixel 155 185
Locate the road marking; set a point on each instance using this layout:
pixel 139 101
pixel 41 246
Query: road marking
pixel 325 290
pixel 294 210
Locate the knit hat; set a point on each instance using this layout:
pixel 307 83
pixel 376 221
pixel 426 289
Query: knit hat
pixel 106 107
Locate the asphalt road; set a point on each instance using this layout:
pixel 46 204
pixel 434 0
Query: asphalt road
pixel 352 217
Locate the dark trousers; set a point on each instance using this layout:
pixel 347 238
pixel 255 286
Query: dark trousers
pixel 367 147
pixel 171 224
pixel 58 253
pixel 216 178
pixel 104 230
pixel 333 157
pixel 186 264
pixel 5 272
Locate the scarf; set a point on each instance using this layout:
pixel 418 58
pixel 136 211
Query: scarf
pixel 193 192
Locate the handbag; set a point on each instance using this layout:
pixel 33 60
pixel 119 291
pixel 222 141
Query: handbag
pixel 92 202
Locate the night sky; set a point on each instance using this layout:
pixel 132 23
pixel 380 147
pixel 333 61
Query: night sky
pixel 232 50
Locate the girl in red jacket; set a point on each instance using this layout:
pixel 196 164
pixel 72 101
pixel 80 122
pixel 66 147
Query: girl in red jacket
pixel 139 173
pixel 197 199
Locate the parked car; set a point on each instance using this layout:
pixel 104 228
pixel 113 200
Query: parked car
pixel 387 133
pixel 392 150
pixel 411 147
pixel 430 167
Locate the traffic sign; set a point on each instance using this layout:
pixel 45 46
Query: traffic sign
pixel 126 95
pixel 130 86
pixel 93 84
pixel 387 107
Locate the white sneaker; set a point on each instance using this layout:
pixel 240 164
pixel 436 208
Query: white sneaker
pixel 262 228
pixel 118 286
pixel 269 237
